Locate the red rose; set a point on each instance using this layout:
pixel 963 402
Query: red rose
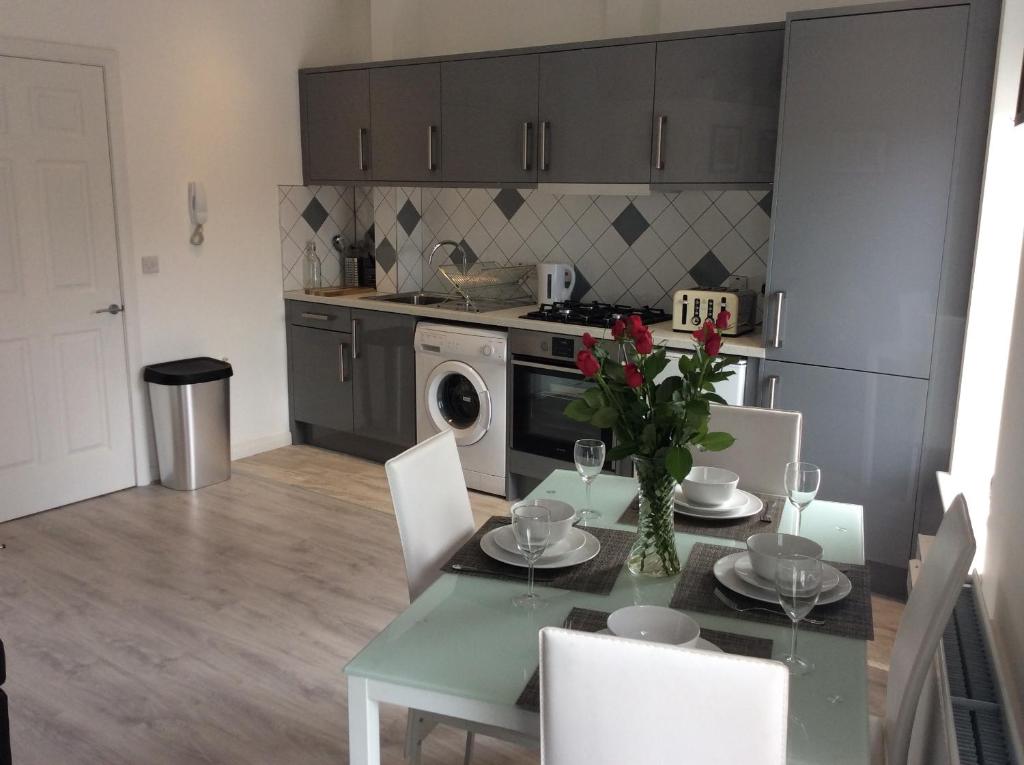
pixel 589 340
pixel 636 325
pixel 705 332
pixel 587 364
pixel 713 345
pixel 633 377
pixel 644 341
pixel 722 322
pixel 618 328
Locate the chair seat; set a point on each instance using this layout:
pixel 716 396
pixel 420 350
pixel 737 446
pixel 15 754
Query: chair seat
pixel 876 733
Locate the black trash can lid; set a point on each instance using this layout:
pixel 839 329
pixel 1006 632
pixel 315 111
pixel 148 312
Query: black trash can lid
pixel 187 371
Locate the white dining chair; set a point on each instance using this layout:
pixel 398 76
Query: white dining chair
pixel 607 701
pixel 766 439
pixel 947 488
pixel 928 609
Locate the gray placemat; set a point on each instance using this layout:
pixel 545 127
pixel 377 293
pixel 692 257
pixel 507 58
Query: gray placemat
pixel 588 620
pixel 850 617
pixel 596 576
pixel 739 529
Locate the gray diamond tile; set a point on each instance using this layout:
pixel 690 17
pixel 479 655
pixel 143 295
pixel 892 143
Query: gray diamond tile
pixel 408 216
pixel 509 201
pixel 315 214
pixel 630 224
pixel 466 258
pixel 386 255
pixel 709 271
pixel 581 287
pixel 766 203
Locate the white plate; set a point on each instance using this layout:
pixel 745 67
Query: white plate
pixel 702 644
pixel 573 540
pixel 591 547
pixel 738 500
pixel 752 506
pixel 725 573
pixel 745 571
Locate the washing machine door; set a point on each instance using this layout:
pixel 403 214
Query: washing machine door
pixel 457 398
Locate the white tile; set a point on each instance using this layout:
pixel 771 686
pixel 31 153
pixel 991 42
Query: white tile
pixel 648 247
pixel 463 219
pixel 557 255
pixel 593 223
pixel 592 265
pixel 494 254
pixel 493 219
pixel 754 228
pixel 757 195
pixel 713 195
pixel 478 201
pixel 557 221
pixel 541 202
pixel 282 191
pixel 434 216
pixel 688 249
pixel 670 225
pixel 734 205
pixel 763 252
pixel 611 206
pixel 628 267
pixel 525 256
pixel 733 251
pixel 685 283
pixel 300 196
pixel 711 227
pixel 691 204
pixel 291 254
pixel 540 242
pixel 328 196
pixel 301 233
pixel 652 205
pixel 575 243
pixel 509 241
pixel 525 221
pixel 575 204
pixel 609 287
pixel 667 271
pixel 646 290
pixel 449 199
pixel 287 214
pixel 478 238
pixel 291 282
pixel 610 245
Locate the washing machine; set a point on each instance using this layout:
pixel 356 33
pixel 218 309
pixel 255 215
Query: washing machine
pixel 461 379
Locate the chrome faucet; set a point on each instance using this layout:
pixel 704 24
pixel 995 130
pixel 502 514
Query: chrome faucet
pixel 450 243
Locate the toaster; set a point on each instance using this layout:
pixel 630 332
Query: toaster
pixel 692 307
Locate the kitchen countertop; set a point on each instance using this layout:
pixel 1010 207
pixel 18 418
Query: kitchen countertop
pixel 750 345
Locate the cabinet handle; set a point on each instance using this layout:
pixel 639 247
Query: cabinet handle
pixel 355 339
pixel 545 129
pixel 362 150
pixel 772 383
pixel 659 159
pixel 779 298
pixel 342 371
pixel 527 127
pixel 431 165
pixel 317 316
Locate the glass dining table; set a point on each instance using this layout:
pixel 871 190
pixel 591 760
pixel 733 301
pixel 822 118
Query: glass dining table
pixel 463 650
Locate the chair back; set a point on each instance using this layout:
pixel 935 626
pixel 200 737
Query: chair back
pixel 432 507
pixel 924 619
pixel 766 439
pixel 947 488
pixel 607 701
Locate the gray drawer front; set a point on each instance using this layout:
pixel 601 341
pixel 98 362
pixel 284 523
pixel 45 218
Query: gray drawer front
pixel 319 316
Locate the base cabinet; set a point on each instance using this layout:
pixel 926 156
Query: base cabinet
pixel 384 373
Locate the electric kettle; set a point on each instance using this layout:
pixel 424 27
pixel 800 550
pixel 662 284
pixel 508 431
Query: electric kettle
pixel 554 282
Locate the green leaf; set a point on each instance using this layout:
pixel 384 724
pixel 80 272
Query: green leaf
pixel 593 398
pixel 604 417
pixel 716 441
pixel 619 451
pixel 678 461
pixel 715 398
pixel 579 410
pixel 649 436
pixel 615 373
pixel 655 364
pixel 666 388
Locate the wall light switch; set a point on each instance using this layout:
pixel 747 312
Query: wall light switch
pixel 150 264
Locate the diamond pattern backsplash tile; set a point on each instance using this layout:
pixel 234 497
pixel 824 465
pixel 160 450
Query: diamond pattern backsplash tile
pixel 636 249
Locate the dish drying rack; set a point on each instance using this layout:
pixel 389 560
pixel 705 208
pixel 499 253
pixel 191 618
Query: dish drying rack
pixel 489 281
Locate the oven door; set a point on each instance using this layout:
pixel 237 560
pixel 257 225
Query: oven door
pixel 540 393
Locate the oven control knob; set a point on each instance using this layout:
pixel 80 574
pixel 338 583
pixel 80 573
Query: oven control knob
pixel 544 345
pixel 487 350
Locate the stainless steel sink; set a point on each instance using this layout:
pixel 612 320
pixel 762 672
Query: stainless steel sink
pixel 414 298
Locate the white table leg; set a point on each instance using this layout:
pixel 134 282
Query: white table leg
pixel 363 724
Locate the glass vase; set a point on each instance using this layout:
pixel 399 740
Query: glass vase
pixel 654 550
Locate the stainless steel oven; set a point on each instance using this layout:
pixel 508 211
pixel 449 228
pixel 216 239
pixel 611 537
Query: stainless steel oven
pixel 544 380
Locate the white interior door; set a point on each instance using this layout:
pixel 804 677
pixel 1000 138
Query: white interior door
pixel 65 418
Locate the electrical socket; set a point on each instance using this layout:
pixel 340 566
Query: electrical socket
pixel 150 264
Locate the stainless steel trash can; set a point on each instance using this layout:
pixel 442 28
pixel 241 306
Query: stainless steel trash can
pixel 191 410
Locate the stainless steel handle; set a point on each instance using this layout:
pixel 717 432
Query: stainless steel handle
pixel 659 159
pixel 317 316
pixel 527 127
pixel 362 151
pixel 549 367
pixel 776 340
pixel 772 383
pixel 431 165
pixel 113 308
pixel 355 339
pixel 342 371
pixel 545 126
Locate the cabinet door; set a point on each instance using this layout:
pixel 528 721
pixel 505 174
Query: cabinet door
pixel 335 125
pixel 595 111
pixel 716 109
pixel 384 371
pixel 405 110
pixel 320 373
pixel 862 189
pixel 489 114
pixel 864 431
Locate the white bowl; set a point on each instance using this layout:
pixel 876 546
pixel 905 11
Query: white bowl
pixel 709 485
pixel 563 516
pixel 656 624
pixel 765 550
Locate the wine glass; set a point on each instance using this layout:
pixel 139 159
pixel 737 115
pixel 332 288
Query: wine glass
pixel 802 482
pixel 531 525
pixel 798 585
pixel 589 455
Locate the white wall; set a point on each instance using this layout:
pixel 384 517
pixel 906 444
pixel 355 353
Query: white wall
pixel 210 93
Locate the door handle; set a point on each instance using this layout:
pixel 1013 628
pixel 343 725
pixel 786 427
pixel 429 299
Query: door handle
pixel 776 339
pixel 771 383
pixel 545 128
pixel 355 339
pixel 362 150
pixel 659 144
pixel 316 316
pixel 113 308
pixel 342 371
pixel 527 127
pixel 431 165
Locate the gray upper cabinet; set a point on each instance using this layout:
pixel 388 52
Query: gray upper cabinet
pixel 335 126
pixel 489 114
pixel 405 112
pixel 320 375
pixel 384 371
pixel 595 115
pixel 860 200
pixel 716 109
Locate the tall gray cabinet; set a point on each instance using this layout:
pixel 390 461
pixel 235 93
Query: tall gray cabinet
pixel 871 154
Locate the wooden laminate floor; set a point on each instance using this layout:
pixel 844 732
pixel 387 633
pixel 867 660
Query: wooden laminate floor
pixel 152 626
